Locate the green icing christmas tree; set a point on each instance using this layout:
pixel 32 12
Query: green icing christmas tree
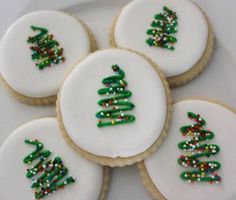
pixel 162 29
pixel 45 50
pixel 49 175
pixel 116 102
pixel 202 170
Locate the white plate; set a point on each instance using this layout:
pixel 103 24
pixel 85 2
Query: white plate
pixel 218 81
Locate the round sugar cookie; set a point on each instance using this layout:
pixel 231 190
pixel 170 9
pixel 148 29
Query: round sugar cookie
pixel 205 170
pixel 84 180
pixel 114 107
pixel 176 35
pixel 38 50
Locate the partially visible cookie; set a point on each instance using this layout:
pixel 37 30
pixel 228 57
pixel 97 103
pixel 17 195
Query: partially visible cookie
pixel 114 107
pixel 37 163
pixel 176 35
pixel 197 160
pixel 38 50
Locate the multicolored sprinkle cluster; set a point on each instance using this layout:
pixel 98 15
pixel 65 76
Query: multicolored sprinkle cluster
pixel 162 27
pixel 203 170
pixel 46 51
pixel 49 172
pixel 116 102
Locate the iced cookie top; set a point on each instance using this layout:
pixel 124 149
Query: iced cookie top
pixel 81 179
pixel 38 50
pixel 114 104
pixel 173 34
pixel 197 158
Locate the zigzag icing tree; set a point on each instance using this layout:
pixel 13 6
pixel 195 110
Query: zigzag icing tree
pixel 49 175
pixel 196 149
pixel 162 29
pixel 45 50
pixel 116 102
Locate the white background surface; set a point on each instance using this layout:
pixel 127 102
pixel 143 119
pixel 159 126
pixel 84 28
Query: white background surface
pixel 218 81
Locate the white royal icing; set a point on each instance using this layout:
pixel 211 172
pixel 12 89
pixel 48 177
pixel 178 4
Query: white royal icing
pixel 78 104
pixel 13 181
pixel 164 170
pixel 136 18
pixel 16 65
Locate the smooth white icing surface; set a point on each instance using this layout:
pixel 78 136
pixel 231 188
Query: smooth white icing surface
pixel 78 104
pixel 164 170
pixel 136 18
pixel 16 65
pixel 13 181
